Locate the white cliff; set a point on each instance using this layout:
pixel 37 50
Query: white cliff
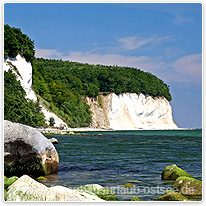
pixel 130 111
pixel 127 111
pixel 23 71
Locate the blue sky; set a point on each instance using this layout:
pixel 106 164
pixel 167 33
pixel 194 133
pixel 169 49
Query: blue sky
pixel 164 39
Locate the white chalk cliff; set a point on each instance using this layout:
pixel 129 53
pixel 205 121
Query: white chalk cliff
pixel 23 71
pixel 130 111
pixel 127 111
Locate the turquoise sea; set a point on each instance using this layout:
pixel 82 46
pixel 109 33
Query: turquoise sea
pixel 120 157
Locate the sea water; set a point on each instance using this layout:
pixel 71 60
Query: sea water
pixel 120 157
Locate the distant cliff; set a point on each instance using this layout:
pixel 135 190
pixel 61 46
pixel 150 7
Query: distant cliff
pixel 130 111
pixel 118 112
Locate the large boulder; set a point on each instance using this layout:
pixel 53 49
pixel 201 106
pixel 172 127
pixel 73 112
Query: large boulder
pixel 27 189
pixel 173 172
pixel 188 186
pixel 27 151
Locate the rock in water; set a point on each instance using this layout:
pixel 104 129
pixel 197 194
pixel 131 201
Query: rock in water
pixel 172 196
pixel 27 189
pixel 188 186
pixel 54 141
pixel 27 151
pixel 101 192
pixel 173 172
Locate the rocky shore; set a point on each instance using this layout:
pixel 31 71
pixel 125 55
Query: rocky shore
pixel 27 189
pixel 28 154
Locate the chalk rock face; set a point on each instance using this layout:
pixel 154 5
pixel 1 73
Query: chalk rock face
pixel 57 121
pixel 27 189
pixel 129 111
pixel 23 71
pixel 27 151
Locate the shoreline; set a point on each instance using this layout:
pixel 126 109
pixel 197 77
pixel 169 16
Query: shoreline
pixel 87 129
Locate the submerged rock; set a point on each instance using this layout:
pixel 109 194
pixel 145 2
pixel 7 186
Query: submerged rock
pixel 27 151
pixel 172 196
pixel 135 199
pixel 173 172
pixel 128 185
pixel 188 186
pixel 101 192
pixel 27 189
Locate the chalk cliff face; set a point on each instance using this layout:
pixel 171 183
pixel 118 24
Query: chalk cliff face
pixel 23 71
pixel 130 111
pixel 126 111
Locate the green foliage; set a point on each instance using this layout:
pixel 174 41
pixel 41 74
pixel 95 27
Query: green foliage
pixel 15 42
pixel 51 121
pixel 89 80
pixel 16 107
pixel 100 101
pixel 64 85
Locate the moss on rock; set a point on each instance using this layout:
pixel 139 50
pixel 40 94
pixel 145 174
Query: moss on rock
pixel 173 172
pixel 41 178
pixel 135 199
pixel 128 185
pixel 172 196
pixel 9 181
pixel 188 186
pixel 27 189
pixel 31 166
pixel 101 192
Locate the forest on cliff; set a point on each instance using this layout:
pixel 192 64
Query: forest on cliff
pixel 63 85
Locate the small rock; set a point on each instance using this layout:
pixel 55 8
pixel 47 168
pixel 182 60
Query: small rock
pixel 135 199
pixel 54 141
pixel 98 190
pixel 172 196
pixel 188 186
pixel 173 172
pixel 128 185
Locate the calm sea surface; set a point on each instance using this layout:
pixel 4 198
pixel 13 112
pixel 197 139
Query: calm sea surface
pixel 120 157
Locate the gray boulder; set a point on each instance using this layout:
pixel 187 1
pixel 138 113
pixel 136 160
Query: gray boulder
pixel 27 151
